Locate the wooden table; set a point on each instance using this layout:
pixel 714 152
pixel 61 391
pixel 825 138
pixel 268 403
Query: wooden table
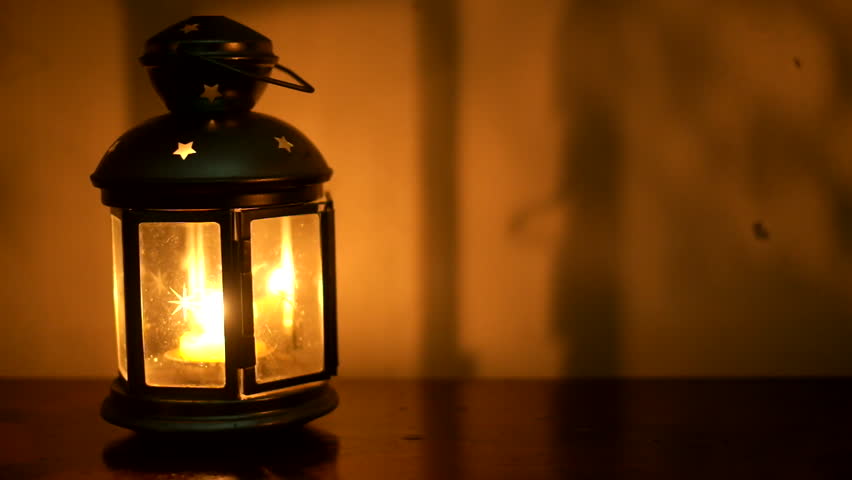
pixel 483 429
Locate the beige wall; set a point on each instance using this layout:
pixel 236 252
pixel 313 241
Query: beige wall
pixel 524 189
pixel 62 102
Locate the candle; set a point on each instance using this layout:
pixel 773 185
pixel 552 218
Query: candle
pixel 205 342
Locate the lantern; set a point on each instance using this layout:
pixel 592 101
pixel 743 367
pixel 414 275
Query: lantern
pixel 223 246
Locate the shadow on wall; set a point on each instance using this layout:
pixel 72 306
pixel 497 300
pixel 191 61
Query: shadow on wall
pixel 587 295
pixel 439 66
pixel 706 165
pixel 588 291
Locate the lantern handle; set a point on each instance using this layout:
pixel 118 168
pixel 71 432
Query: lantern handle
pixel 302 86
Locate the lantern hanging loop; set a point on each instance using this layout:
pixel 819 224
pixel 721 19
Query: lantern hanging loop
pixel 302 86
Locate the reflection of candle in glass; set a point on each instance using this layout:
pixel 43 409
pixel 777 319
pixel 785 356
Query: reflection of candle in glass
pixel 281 282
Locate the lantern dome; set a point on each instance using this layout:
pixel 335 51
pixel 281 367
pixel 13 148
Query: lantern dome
pixel 211 151
pixel 248 159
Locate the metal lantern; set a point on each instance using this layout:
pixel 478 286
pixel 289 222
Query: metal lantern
pixel 223 246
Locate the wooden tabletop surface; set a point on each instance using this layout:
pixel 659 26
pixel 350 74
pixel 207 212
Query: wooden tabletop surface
pixel 483 429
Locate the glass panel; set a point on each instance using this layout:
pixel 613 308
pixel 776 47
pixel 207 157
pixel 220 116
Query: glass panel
pixel 118 294
pixel 183 311
pixel 286 265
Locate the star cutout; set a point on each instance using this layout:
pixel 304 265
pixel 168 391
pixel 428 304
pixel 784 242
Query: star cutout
pixel 283 143
pixel 189 27
pixel 184 150
pixel 211 92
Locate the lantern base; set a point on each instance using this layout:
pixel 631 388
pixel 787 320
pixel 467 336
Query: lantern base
pixel 295 406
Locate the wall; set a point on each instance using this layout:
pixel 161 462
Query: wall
pixel 540 189
pixel 60 79
pixel 624 152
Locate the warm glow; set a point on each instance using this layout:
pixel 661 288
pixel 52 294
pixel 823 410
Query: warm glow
pixel 202 305
pixel 281 283
pixel 286 266
pixel 201 302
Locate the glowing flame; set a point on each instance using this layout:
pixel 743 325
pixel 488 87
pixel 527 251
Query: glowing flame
pixel 202 304
pixel 281 282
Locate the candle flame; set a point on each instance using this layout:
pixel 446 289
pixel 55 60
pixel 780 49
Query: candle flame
pixel 201 301
pixel 282 280
pixel 203 306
